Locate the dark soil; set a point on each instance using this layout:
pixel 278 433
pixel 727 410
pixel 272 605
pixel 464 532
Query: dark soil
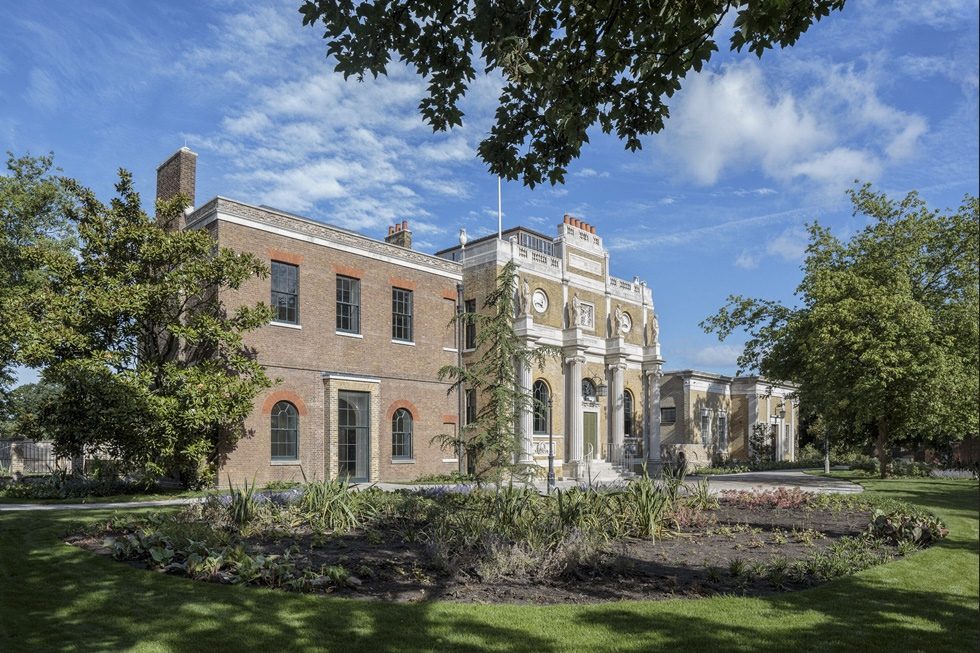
pixel 700 560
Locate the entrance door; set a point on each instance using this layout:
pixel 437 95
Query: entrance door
pixel 590 434
pixel 354 436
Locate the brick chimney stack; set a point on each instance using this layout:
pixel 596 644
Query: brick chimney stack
pixel 177 175
pixel 400 235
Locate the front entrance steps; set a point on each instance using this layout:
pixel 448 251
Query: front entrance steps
pixel 601 472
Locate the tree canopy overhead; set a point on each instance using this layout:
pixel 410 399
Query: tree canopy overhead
pixel 884 345
pixel 566 64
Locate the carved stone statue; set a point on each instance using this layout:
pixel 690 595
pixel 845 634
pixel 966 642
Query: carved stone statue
pixel 654 329
pixel 525 305
pixel 574 311
pixel 617 321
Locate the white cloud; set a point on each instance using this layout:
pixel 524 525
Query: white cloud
pixel 722 355
pixel 721 119
pixel 42 91
pixel 251 123
pixel 747 260
pixel 667 201
pixel 715 232
pixel 589 172
pixel 759 192
pixel 790 245
pixel 839 167
pixel 831 131
pixel 303 139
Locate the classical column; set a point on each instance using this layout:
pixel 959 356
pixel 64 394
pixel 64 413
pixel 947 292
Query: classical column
pixel 573 408
pixel 527 415
pixel 653 410
pixel 616 411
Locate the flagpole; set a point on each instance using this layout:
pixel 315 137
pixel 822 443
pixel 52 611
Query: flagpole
pixel 500 213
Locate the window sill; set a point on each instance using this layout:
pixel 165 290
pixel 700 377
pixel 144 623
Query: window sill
pixel 402 342
pixel 285 463
pixel 288 325
pixel 450 349
pixel 450 460
pixel 349 335
pixel 468 350
pixel 402 461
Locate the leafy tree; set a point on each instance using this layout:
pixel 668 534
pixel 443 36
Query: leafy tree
pixel 492 442
pixel 33 205
pixel 131 325
pixel 23 403
pixel 566 65
pixel 884 345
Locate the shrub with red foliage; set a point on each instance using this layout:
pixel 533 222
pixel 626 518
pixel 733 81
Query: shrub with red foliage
pixel 776 498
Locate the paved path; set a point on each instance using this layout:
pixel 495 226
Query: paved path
pixel 788 478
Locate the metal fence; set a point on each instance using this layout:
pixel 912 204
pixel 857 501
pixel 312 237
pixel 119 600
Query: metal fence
pixel 28 457
pixel 6 458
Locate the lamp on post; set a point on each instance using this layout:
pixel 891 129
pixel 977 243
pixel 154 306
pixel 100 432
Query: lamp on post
pixel 551 450
pixel 459 354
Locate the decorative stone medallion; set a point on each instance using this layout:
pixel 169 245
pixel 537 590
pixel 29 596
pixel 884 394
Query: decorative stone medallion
pixel 540 301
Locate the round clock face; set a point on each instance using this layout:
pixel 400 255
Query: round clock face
pixel 627 323
pixel 540 301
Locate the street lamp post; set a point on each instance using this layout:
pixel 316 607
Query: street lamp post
pixel 459 355
pixel 551 450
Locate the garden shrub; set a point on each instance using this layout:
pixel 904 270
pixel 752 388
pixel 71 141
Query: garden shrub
pixel 67 485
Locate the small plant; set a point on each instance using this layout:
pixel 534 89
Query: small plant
pixel 365 572
pixel 333 505
pixel 701 497
pixel 243 505
pixel 897 527
pixel 906 548
pixel 736 567
pixel 714 575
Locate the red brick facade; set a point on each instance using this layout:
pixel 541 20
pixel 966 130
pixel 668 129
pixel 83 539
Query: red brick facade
pixel 315 363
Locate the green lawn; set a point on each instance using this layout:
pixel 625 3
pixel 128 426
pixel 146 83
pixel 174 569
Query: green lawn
pixel 54 597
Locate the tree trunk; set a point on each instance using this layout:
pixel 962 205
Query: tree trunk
pixel 882 448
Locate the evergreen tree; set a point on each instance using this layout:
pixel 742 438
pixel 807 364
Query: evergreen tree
pixel 154 370
pixel 492 442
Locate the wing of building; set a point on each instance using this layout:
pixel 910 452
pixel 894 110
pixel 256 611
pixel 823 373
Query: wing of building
pixel 362 328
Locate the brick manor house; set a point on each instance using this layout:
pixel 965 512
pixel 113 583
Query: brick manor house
pixel 362 327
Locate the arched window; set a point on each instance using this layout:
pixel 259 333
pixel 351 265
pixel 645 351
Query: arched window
pixel 627 413
pixel 285 431
pixel 588 390
pixel 541 394
pixel 401 434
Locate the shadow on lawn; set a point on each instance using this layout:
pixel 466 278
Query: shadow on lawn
pixel 57 598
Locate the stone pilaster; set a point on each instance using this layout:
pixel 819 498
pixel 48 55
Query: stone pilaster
pixel 653 410
pixel 526 420
pixel 616 414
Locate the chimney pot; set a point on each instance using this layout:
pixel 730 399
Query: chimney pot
pixel 592 229
pixel 565 219
pixel 398 234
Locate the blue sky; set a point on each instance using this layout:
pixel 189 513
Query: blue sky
pixel 716 204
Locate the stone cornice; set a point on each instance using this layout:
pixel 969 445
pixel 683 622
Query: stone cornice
pixel 307 229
